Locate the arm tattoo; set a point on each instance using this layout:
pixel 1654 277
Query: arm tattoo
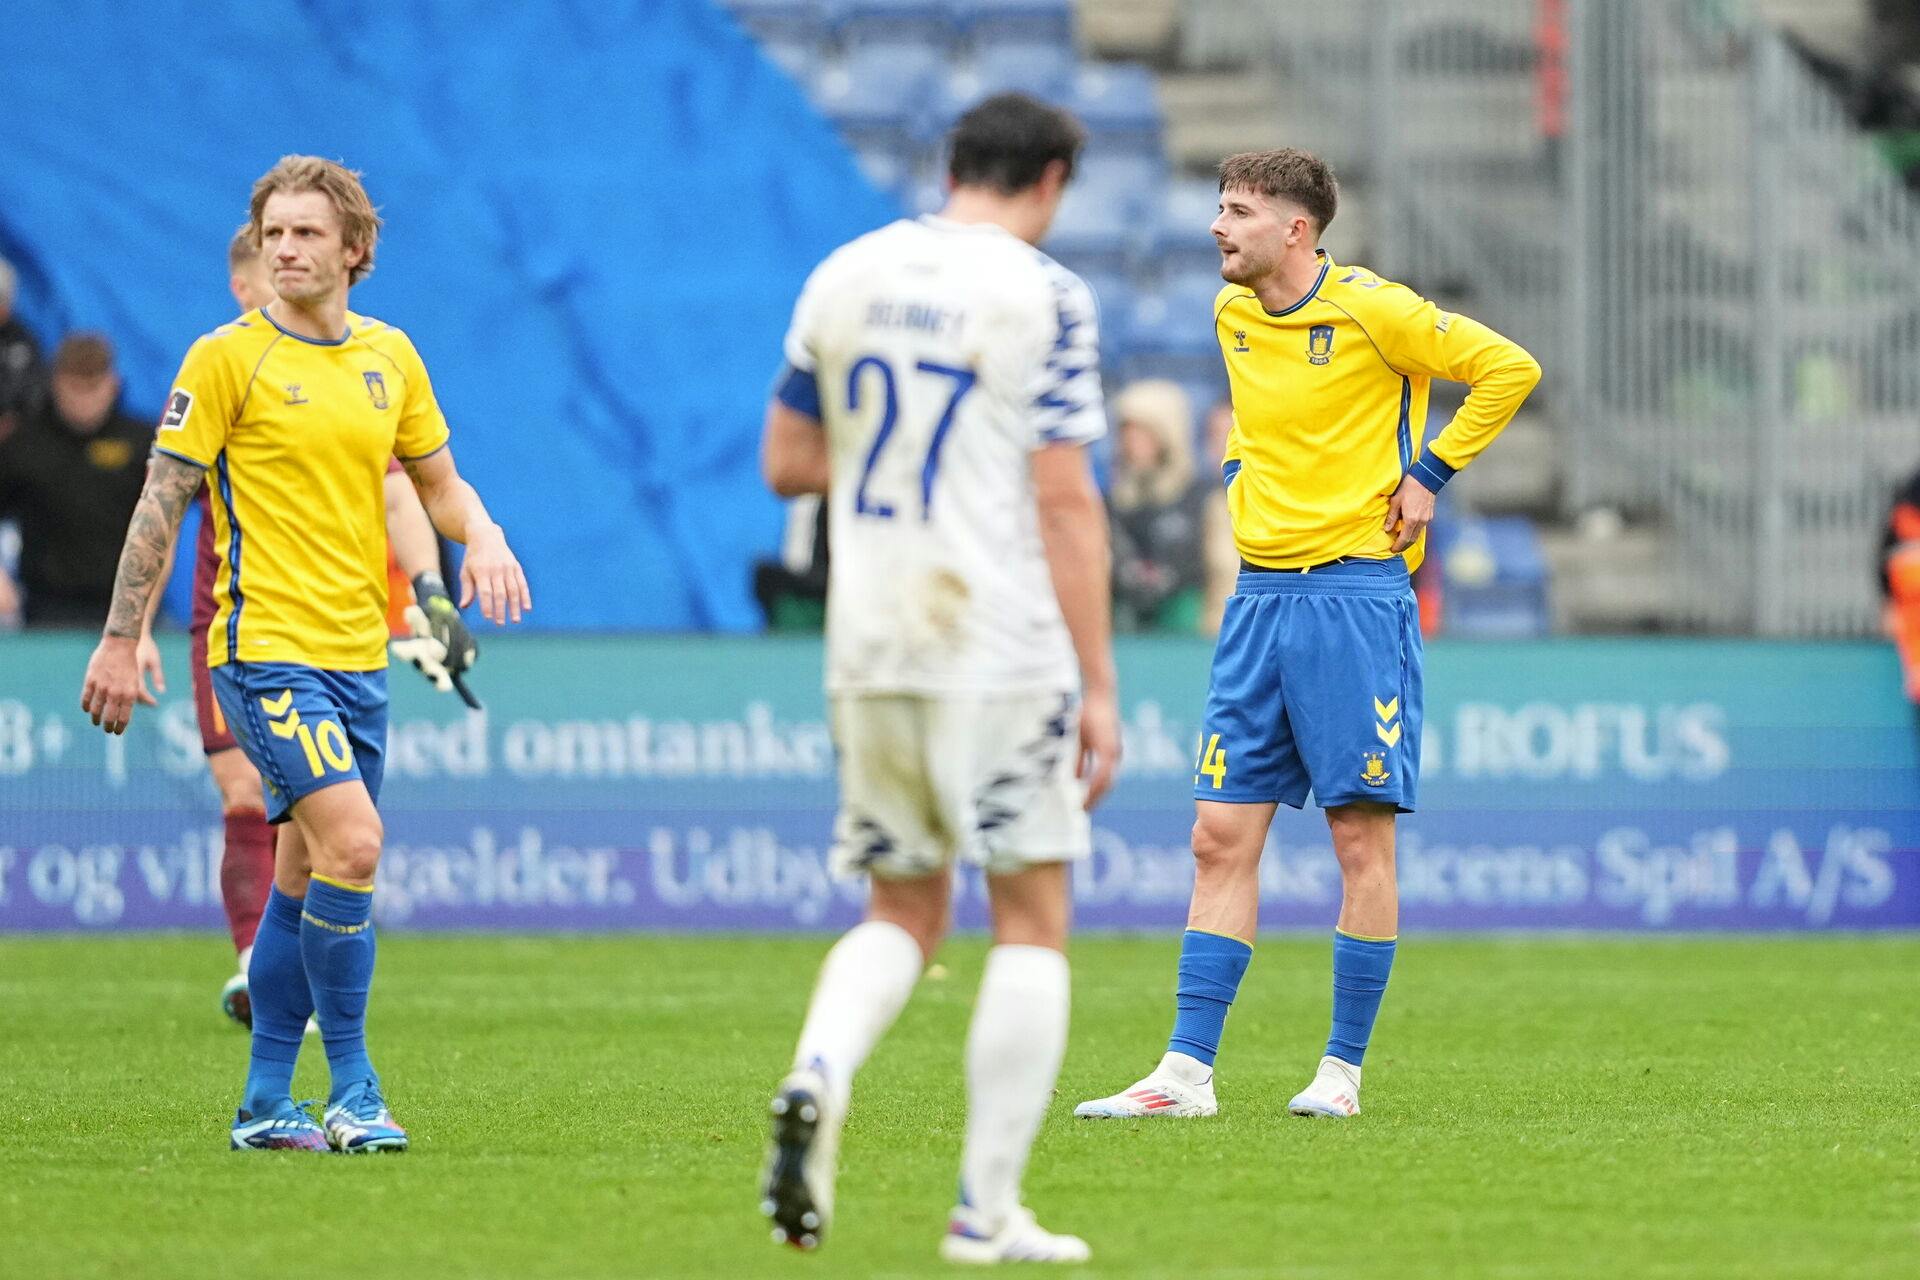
pixel 170 485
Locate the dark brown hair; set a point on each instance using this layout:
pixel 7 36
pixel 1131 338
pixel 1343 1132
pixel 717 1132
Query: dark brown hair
pixel 1286 174
pixel 1006 143
pixel 84 355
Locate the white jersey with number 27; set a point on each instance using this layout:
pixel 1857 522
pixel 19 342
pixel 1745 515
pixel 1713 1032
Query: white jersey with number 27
pixel 944 355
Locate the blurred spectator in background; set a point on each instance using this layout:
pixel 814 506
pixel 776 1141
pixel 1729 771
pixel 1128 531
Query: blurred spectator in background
pixel 70 474
pixel 1158 509
pixel 1222 557
pixel 20 368
pixel 1900 580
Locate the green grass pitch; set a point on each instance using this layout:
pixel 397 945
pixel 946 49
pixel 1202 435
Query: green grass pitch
pixel 587 1107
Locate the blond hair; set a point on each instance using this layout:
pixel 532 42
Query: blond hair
pixel 359 220
pixel 243 248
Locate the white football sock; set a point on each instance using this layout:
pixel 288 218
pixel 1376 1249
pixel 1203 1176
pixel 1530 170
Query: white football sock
pixel 246 957
pixel 1014 1047
pixel 862 987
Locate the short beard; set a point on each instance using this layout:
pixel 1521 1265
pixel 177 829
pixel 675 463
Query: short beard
pixel 1249 271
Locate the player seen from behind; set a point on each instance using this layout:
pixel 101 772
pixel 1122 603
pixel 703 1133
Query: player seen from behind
pixel 1316 679
pixel 942 384
pixel 298 645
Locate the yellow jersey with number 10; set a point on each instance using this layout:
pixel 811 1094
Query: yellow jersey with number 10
pixel 296 435
pixel 1330 411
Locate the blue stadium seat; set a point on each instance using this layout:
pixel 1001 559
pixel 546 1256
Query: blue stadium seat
pixel 882 95
pixel 894 165
pixel 1128 179
pixel 1170 333
pixel 892 23
pixel 803 59
pixel 1180 244
pixel 1119 102
pixel 786 21
pixel 989 22
pixel 1177 319
pixel 1091 231
pixel 1114 292
pixel 1495 576
pixel 1035 70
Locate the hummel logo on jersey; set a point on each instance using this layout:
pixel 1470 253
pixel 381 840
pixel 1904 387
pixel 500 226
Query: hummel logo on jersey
pixel 1240 337
pixel 293 394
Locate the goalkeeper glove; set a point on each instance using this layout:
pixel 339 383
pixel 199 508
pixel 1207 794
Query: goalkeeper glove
pixel 441 647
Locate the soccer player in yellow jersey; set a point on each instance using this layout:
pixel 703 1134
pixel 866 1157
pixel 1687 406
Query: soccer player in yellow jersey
pixel 1316 682
pixel 290 413
pixel 247 854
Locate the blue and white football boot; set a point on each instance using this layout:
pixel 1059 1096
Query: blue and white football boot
pixel 288 1127
pixel 360 1121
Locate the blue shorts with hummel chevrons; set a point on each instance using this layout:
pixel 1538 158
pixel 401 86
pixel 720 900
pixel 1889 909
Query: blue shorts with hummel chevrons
pixel 1315 687
pixel 305 728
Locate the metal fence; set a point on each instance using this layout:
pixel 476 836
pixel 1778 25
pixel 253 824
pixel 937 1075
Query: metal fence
pixel 1719 273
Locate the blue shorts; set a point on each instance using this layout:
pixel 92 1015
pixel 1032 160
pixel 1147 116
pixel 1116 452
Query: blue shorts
pixel 305 728
pixel 1316 685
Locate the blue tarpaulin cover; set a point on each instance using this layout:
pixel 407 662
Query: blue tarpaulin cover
pixel 599 215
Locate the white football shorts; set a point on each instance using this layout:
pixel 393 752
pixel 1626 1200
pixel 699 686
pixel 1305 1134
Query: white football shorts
pixel 986 778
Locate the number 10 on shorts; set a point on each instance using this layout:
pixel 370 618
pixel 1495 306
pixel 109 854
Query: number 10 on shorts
pixel 314 744
pixel 1211 762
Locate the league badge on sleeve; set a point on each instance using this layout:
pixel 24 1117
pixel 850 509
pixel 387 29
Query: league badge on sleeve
pixel 179 406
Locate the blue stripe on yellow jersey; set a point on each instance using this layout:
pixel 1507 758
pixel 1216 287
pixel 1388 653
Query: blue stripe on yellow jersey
pixel 1330 411
pixel 298 434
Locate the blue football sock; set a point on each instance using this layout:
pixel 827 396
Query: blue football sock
pixel 1360 969
pixel 1211 966
pixel 282 1003
pixel 336 937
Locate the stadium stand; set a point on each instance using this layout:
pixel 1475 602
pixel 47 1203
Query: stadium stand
pixel 892 75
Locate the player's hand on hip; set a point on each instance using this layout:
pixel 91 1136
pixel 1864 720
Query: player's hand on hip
pixel 1099 744
pixel 1410 511
pixel 113 683
pixel 491 575
pixel 147 659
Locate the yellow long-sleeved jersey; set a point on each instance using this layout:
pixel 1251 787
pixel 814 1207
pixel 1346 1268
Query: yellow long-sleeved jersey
pixel 1330 411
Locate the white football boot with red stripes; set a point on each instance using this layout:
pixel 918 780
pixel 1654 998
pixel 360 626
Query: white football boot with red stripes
pixel 1179 1086
pixel 1335 1091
